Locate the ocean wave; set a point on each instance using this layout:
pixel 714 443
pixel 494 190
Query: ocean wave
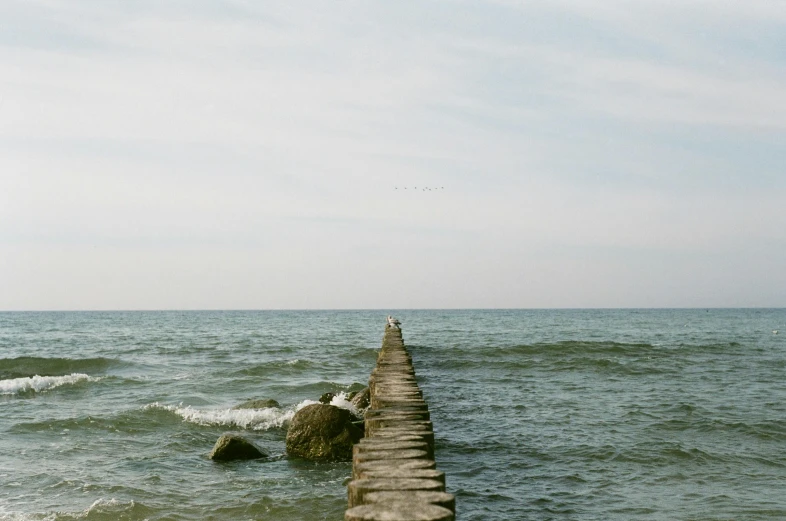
pixel 340 400
pixel 101 509
pixel 649 454
pixel 30 365
pixel 704 423
pixel 279 367
pixel 250 419
pixel 41 383
pixel 579 347
pixel 288 387
pixel 632 366
pixel 624 357
pixel 627 359
pixel 113 509
pixel 603 363
pixel 19 516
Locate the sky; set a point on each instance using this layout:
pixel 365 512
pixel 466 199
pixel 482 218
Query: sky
pixel 245 154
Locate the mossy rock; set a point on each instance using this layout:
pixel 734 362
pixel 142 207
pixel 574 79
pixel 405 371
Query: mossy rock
pixel 361 399
pixel 326 398
pixel 233 447
pixel 321 432
pixel 257 404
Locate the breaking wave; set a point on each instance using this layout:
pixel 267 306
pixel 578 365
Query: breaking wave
pixel 101 509
pixel 251 419
pixel 40 383
pixel 30 365
pixel 340 400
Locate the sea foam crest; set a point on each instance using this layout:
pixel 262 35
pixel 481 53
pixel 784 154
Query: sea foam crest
pixel 40 383
pixel 109 506
pixel 19 516
pixel 6 515
pixel 340 401
pixel 253 419
pixel 101 508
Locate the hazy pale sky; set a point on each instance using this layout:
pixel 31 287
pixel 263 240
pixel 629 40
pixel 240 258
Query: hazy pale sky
pixel 244 154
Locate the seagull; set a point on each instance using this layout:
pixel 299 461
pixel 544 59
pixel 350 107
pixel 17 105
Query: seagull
pixel 774 331
pixel 394 322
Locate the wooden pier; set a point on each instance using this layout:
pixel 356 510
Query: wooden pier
pixel 394 471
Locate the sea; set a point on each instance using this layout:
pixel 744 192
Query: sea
pixel 586 414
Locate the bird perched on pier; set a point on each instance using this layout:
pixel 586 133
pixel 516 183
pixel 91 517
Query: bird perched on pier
pixel 394 322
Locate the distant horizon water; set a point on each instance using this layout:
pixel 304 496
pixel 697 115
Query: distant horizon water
pixel 601 308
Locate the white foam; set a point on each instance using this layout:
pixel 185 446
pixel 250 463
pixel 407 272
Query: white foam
pixel 252 419
pixel 40 383
pixel 340 400
pixel 108 506
pixel 100 506
pixel 19 516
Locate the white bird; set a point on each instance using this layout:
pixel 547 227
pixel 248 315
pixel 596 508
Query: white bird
pixel 394 322
pixel 774 331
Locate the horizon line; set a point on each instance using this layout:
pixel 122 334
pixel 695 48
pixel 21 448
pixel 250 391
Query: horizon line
pixel 152 310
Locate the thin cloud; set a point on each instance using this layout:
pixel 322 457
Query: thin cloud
pixel 262 141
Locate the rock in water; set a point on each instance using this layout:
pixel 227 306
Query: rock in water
pixel 231 447
pixel 361 399
pixel 322 432
pixel 257 404
pixel 326 398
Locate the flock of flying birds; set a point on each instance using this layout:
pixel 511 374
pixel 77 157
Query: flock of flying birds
pixel 422 188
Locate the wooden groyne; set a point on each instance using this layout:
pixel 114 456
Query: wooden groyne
pixel 394 472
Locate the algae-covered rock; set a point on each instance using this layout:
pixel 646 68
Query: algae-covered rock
pixel 232 447
pixel 326 398
pixel 257 404
pixel 361 399
pixel 321 432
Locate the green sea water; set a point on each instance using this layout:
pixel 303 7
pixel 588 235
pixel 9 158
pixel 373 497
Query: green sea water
pixel 539 414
